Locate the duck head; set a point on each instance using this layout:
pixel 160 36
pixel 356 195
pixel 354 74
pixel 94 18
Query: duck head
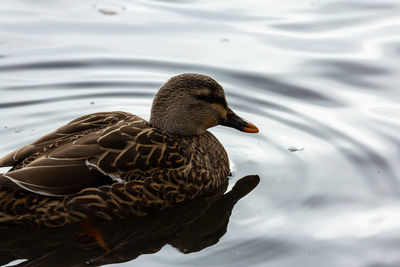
pixel 189 104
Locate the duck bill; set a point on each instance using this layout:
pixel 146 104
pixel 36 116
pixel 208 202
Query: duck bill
pixel 234 121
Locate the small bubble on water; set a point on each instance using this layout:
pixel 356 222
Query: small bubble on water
pixel 295 149
pixel 107 11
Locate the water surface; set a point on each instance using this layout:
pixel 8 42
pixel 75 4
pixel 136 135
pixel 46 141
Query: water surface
pixel 319 78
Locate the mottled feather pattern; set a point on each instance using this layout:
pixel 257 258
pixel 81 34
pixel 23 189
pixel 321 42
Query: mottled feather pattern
pixel 135 147
pixel 158 170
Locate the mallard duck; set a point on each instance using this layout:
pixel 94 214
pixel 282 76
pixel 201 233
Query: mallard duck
pixel 111 164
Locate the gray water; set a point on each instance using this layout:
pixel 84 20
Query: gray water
pixel 319 79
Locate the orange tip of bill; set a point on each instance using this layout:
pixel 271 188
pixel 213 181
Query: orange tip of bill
pixel 250 128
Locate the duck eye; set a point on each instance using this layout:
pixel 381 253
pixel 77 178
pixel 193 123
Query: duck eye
pixel 211 98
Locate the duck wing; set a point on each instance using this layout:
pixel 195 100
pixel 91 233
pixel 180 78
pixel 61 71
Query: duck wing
pixel 67 133
pixel 92 151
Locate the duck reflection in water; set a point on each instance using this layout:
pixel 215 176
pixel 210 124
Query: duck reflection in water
pixel 189 227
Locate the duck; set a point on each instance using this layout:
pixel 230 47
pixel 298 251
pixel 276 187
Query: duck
pixel 110 165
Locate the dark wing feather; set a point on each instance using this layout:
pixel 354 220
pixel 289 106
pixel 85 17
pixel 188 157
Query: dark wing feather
pixel 76 156
pixel 67 133
pixel 56 177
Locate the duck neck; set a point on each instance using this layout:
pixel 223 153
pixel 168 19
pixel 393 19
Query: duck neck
pixel 173 121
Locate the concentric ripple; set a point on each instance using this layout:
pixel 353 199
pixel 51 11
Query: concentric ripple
pixel 319 78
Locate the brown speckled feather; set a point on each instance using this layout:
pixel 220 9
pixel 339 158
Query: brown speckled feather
pixel 107 165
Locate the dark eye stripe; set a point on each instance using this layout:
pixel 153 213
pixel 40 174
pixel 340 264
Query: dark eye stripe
pixel 211 99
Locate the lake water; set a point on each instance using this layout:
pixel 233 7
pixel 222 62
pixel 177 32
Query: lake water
pixel 319 78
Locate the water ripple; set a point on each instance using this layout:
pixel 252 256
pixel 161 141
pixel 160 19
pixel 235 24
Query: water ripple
pixel 252 80
pixel 10 104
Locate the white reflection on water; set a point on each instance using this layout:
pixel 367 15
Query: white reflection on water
pixel 359 224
